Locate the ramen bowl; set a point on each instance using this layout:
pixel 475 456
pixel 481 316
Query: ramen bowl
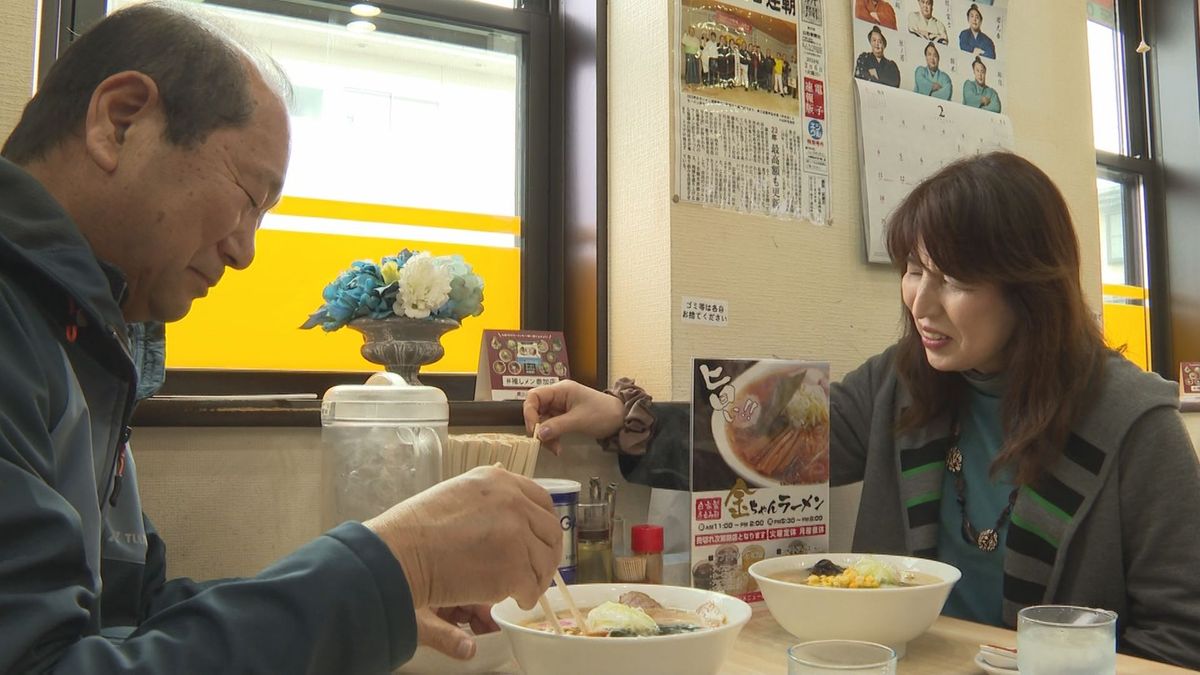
pixel 890 615
pixel 542 653
pixel 491 653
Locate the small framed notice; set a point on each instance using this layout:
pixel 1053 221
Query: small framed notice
pixel 1189 380
pixel 513 362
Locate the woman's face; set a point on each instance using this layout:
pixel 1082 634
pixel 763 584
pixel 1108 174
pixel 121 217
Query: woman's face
pixel 962 327
pixel 974 19
pixel 980 74
pixel 877 45
pixel 931 57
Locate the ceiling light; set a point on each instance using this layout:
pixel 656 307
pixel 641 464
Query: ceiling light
pixel 365 9
pixel 360 26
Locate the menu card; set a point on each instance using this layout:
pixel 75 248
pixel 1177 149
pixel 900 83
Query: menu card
pixel 513 362
pixel 1189 380
pixel 760 467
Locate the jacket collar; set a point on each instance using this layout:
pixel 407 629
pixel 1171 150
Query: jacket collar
pixel 40 242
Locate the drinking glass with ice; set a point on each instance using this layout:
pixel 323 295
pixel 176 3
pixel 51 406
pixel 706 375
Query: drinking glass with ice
pixel 1066 640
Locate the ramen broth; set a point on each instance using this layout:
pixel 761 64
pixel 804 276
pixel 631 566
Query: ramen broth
pixel 789 439
pixel 907 578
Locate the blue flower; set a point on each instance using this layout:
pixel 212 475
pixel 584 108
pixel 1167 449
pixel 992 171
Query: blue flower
pixel 466 290
pixel 373 290
pixel 351 295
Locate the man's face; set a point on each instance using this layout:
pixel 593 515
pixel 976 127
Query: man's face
pixel 926 8
pixel 980 74
pixel 191 212
pixel 931 57
pixel 877 45
pixel 974 19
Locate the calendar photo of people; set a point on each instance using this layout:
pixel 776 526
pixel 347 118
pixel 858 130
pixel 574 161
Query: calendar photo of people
pixel 950 50
pixel 750 87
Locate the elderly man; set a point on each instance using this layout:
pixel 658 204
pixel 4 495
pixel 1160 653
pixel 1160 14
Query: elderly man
pixel 134 178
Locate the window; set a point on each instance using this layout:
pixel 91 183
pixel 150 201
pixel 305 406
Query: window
pixel 408 131
pixel 1125 182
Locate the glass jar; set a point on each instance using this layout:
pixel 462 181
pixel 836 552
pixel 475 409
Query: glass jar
pixel 382 443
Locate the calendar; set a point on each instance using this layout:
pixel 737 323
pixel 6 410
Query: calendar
pixel 905 137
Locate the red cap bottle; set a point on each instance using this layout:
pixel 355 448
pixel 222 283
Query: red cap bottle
pixel 647 538
pixel 647 542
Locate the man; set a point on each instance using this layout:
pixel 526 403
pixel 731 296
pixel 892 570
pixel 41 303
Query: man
pixel 138 173
pixel 972 39
pixel 873 65
pixel 876 11
pixel 925 25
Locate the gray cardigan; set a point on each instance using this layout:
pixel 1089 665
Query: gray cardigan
pixel 1111 527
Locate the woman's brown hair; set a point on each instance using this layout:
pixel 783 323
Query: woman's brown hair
pixel 998 219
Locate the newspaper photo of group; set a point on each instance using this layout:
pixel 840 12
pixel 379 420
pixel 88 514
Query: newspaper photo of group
pixel 753 131
pixel 952 50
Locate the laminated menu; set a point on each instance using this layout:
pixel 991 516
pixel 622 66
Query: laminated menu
pixel 760 467
pixel 513 362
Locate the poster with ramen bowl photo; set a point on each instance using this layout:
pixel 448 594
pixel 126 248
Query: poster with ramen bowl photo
pixel 760 467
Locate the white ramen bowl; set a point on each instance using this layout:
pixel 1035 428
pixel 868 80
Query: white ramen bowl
pixel 491 653
pixel 886 615
pixel 542 653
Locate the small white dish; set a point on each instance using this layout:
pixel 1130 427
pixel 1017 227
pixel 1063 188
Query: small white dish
pixel 990 669
pixel 999 657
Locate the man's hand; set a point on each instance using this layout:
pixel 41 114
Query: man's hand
pixel 567 406
pixel 480 537
pixel 439 628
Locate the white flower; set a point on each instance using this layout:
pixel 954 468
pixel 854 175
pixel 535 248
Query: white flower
pixel 424 286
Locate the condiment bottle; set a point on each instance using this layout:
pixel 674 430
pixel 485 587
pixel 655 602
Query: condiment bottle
pixel 594 561
pixel 647 543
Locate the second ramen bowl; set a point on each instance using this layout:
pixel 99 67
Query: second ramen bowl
pixel 886 615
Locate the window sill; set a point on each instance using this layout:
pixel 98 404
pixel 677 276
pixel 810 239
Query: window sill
pixel 284 411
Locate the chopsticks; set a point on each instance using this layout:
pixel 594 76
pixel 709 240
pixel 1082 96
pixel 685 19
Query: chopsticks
pixel 549 612
pixel 562 588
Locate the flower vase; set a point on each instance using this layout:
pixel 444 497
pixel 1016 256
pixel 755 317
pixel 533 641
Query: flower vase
pixel 402 344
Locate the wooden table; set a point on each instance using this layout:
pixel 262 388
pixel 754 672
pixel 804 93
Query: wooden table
pixel 949 647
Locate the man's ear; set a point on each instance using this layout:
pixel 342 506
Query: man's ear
pixel 119 102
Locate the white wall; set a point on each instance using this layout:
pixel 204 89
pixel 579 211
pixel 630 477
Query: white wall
pixel 17 21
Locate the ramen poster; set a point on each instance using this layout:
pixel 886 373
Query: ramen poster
pixel 760 467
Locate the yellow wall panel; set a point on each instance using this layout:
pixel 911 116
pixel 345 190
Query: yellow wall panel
pixel 1125 325
pixel 251 320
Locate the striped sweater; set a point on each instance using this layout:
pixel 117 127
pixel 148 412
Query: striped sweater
pixel 1109 527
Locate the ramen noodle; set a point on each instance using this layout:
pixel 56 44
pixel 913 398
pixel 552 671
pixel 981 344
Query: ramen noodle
pixel 636 614
pixel 789 439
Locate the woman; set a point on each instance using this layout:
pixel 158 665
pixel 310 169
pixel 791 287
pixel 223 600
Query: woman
pixel 977 93
pixel 972 39
pixel 873 65
pixel 931 80
pixel 999 434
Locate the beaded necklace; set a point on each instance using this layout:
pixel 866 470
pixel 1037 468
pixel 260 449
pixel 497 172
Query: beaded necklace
pixel 988 539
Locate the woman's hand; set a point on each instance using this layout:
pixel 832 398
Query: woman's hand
pixel 566 407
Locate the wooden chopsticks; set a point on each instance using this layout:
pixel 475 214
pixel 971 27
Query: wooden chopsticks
pixel 562 588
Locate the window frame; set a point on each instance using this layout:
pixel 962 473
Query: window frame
pixel 562 189
pixel 1141 162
